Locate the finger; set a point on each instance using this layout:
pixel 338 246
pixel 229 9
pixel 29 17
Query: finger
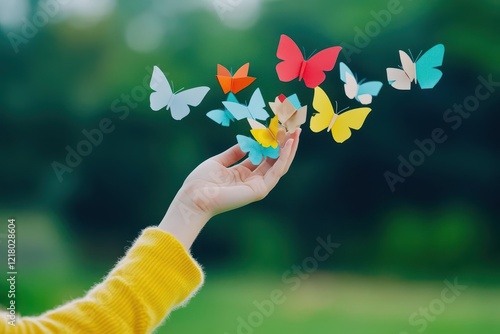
pixel 273 175
pixel 264 166
pixel 248 164
pixel 244 169
pixel 240 172
pixel 288 136
pixel 229 156
pixel 295 136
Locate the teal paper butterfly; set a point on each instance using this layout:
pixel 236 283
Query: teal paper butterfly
pixel 223 117
pixel 257 152
pixel 254 110
pixel 423 71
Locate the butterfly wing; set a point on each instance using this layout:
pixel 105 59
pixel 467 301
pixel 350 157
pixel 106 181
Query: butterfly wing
pixel 223 117
pixel 284 110
pixel 220 116
pixel 351 86
pixel 292 59
pixel 398 79
pixel 222 71
pixel 267 137
pixel 367 91
pixel 270 152
pixel 256 153
pixel 238 84
pixel 224 78
pixel 242 71
pixel 352 119
pixel 239 111
pixel 241 80
pixel 162 92
pixel 294 100
pixel 250 146
pixel 343 70
pixel 402 78
pixel 321 103
pixel 427 73
pixel 256 106
pixel 318 64
pixel 289 112
pixel 408 65
pixel 297 119
pixel 231 98
pixel 179 104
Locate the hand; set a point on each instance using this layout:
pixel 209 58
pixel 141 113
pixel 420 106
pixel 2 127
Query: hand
pixel 218 185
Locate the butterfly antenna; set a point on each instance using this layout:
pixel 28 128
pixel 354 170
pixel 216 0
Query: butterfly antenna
pixel 176 92
pixel 340 112
pixel 418 55
pixel 303 51
pixel 357 79
pixel 413 58
pixel 312 53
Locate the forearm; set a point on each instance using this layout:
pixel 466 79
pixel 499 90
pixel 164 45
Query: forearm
pixel 221 184
pixel 156 275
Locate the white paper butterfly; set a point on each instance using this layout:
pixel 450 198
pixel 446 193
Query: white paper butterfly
pixel 422 71
pixel 362 91
pixel 177 103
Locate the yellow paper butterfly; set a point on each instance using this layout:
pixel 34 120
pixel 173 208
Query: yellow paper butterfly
pixel 266 136
pixel 339 124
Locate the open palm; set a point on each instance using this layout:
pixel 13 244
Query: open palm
pixel 219 184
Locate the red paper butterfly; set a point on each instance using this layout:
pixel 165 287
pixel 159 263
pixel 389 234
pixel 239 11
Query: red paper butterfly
pixel 294 65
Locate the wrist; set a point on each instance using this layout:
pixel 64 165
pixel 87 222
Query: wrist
pixel 184 220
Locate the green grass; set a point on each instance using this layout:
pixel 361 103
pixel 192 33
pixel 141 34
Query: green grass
pixel 323 303
pixel 335 304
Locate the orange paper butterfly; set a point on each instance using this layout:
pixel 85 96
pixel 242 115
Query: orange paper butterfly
pixel 234 83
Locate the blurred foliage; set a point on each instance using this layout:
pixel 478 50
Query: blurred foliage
pixel 442 220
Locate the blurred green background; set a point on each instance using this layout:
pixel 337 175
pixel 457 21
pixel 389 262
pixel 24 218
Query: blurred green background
pixel 92 60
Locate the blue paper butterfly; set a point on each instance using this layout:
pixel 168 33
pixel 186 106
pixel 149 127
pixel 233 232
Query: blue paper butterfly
pixel 223 117
pixel 362 91
pixel 256 152
pixel 254 110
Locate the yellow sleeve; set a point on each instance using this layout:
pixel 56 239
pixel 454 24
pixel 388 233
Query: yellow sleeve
pixel 156 275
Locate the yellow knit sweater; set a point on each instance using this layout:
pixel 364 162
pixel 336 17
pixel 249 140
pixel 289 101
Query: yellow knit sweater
pixel 155 276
